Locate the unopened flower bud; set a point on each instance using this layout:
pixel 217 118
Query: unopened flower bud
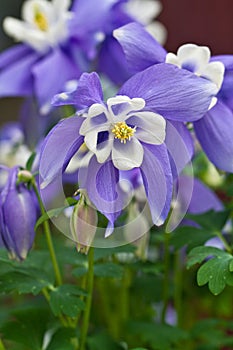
pixel 25 176
pixel 18 214
pixel 83 224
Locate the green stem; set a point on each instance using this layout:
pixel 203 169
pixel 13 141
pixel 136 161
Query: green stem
pixel 124 297
pixel 90 285
pixel 222 238
pixel 178 288
pixel 107 311
pixel 166 276
pixel 2 347
pixel 48 238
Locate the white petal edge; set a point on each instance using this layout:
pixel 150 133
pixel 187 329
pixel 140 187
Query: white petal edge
pixel 127 156
pixel 96 109
pixel 215 72
pixel 134 104
pixel 171 58
pixel 152 127
pixel 200 55
pixel 144 12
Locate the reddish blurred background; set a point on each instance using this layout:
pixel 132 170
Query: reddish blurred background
pixel 205 22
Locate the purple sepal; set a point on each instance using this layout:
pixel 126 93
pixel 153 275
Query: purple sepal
pixel 58 148
pixel 51 74
pixel 14 54
pixel 112 61
pixel 180 146
pixel 225 94
pixel 158 181
pixel 140 48
pixel 16 79
pixel 88 91
pixel 102 184
pixel 214 132
pixel 175 93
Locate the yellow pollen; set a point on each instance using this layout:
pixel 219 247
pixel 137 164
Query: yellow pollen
pixel 40 20
pixel 123 132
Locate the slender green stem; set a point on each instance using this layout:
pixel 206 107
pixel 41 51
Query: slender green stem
pixel 48 238
pixel 2 347
pixel 222 238
pixel 90 285
pixel 178 288
pixel 124 297
pixel 107 310
pixel 166 276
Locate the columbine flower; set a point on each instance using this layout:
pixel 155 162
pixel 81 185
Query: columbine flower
pixel 214 128
pixel 18 215
pixel 57 45
pixel 126 132
pixel 43 25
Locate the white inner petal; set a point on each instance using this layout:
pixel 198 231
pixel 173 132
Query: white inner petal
pixel 143 11
pixel 196 59
pixel 127 156
pixel 151 127
pixel 215 72
pixel 127 104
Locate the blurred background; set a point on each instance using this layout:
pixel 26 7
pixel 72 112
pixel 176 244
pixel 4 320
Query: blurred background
pixel 207 22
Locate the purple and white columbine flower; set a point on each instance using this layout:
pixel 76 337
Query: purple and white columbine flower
pixel 126 132
pixel 122 125
pixel 214 128
pixel 43 24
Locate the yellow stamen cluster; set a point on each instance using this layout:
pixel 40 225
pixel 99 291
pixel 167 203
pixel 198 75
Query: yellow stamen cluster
pixel 40 20
pixel 123 132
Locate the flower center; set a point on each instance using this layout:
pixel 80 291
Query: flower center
pixel 123 132
pixel 40 20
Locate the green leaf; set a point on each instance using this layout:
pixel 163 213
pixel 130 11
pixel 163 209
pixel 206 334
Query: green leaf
pixel 110 270
pixel 66 300
pixel 157 336
pixel 28 281
pixel 63 338
pixel 80 271
pixel 49 214
pixel 212 333
pixel 30 161
pixel 27 328
pixel 211 220
pixel 190 236
pixel 102 341
pixel 55 212
pixel 101 253
pixel 215 271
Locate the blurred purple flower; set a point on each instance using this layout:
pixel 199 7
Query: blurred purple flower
pixel 18 213
pixel 59 44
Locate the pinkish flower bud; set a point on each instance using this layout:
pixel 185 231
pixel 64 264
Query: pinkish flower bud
pixel 83 224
